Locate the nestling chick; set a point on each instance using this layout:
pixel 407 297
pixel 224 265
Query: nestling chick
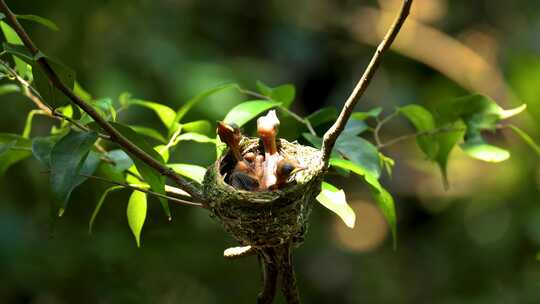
pixel 243 176
pixel 267 128
pixel 286 169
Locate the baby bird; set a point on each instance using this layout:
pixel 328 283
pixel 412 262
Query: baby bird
pixel 267 128
pixel 285 170
pixel 243 176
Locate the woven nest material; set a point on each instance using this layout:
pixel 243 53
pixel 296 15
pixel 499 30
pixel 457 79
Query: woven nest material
pixel 266 218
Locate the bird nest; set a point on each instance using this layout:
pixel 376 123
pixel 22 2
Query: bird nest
pixel 266 218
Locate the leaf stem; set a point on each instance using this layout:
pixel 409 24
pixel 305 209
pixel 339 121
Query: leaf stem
pixel 330 137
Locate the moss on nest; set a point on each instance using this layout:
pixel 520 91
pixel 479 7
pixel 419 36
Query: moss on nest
pixel 266 218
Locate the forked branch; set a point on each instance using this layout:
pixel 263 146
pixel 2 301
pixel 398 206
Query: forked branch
pixel 330 137
pixel 114 134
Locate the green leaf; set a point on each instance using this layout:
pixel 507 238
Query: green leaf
pixel 446 142
pixel 42 147
pixel 81 92
pixel 136 214
pixel 18 50
pixel 361 152
pixel 322 116
pixel 283 94
pixel 382 196
pixel 526 138
pixel 122 161
pixel 486 152
pixel 198 126
pixel 14 148
pixel 9 88
pixel 28 123
pixel 182 111
pixel 150 176
pixel 423 121
pixel 12 38
pixel 386 204
pixel 246 111
pixel 38 19
pixel 49 93
pixel 353 128
pixel 165 114
pixel 149 132
pixel 195 137
pixel 193 172
pixel 67 161
pixel 334 199
pixel 98 206
pixel 375 112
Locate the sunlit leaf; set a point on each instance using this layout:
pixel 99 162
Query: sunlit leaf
pixel 198 126
pixel 98 206
pixel 9 88
pixel 386 204
pixel 195 137
pixel 67 163
pixel 38 19
pixel 526 138
pixel 14 149
pixel 246 111
pixel 165 114
pixel 334 199
pixel 12 38
pixel 423 121
pixel 382 196
pixel 152 133
pixel 81 92
pixel 486 152
pixel 136 214
pixel 283 94
pixel 322 116
pixel 151 176
pixel 193 172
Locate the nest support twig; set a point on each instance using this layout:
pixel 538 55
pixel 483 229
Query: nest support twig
pixel 272 222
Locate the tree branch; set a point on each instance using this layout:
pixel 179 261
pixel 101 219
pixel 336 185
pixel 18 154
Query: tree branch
pixel 330 137
pixel 170 198
pixel 114 134
pixel 270 275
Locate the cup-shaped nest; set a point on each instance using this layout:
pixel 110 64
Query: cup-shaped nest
pixel 270 217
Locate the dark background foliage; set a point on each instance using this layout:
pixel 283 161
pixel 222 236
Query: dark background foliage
pixel 476 243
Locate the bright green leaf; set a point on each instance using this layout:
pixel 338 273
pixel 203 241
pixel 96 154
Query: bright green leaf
pixel 67 161
pixel 246 111
pixel 386 204
pixel 38 19
pixel 486 152
pixel 136 214
pixel 195 137
pixel 12 38
pixel 423 121
pixel 198 126
pixel 149 132
pixel 98 206
pixel 9 88
pixel 151 176
pixel 335 200
pixel 526 138
pixel 193 172
pixel 165 114
pixel 283 94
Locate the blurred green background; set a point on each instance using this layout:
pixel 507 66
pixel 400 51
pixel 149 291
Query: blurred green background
pixel 476 243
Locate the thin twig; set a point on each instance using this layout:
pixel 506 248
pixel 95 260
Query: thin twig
pixel 115 135
pixel 170 198
pixel 413 135
pixel 330 137
pixel 297 117
pixel 379 126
